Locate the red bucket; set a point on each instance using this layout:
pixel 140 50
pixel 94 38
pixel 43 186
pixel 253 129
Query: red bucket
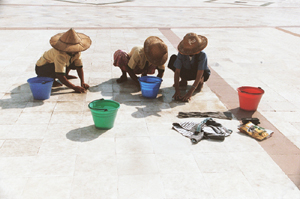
pixel 249 97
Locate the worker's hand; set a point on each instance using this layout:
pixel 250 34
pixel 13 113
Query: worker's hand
pixel 79 89
pixel 187 96
pixel 84 85
pixel 177 95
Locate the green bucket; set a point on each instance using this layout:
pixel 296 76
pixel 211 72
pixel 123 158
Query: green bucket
pixel 104 113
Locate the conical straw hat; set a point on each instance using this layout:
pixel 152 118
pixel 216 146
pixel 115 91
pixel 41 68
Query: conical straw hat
pixel 70 41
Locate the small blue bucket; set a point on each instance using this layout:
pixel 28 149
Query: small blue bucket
pixel 40 87
pixel 150 86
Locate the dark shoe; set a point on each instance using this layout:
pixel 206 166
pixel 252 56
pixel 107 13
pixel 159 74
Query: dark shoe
pixel 56 84
pixel 122 79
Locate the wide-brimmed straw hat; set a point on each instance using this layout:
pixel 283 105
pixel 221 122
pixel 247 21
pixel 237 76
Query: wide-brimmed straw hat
pixel 192 44
pixel 156 50
pixel 70 41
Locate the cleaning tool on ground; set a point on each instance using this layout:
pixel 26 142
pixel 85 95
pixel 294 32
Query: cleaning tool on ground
pixel 207 129
pixel 220 115
pixel 255 131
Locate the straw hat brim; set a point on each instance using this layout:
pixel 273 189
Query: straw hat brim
pixel 71 48
pixel 185 51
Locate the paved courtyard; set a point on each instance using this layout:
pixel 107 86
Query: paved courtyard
pixel 51 149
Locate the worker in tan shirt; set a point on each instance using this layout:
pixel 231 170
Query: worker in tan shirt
pixel 63 57
pixel 142 60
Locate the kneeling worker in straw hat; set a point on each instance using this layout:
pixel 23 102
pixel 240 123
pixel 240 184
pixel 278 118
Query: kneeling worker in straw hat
pixel 142 60
pixel 63 57
pixel 189 64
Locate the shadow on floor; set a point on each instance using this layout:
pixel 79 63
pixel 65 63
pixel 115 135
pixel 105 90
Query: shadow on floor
pixel 85 134
pixel 129 94
pixel 19 97
pixel 239 113
pixel 61 91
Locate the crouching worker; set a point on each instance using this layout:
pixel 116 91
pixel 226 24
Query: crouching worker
pixel 63 57
pixel 189 64
pixel 142 60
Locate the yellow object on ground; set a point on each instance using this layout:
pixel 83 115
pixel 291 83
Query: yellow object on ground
pixel 255 131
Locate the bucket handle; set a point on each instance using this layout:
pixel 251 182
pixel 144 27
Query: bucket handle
pixel 101 109
pixel 44 82
pixel 252 93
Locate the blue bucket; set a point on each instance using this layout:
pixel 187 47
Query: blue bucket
pixel 40 87
pixel 150 86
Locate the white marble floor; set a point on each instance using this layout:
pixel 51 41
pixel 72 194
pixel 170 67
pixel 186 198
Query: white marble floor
pixel 50 149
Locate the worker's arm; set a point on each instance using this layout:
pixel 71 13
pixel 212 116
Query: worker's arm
pixel 65 81
pixel 189 94
pixel 160 73
pixel 177 95
pixel 132 75
pixel 81 77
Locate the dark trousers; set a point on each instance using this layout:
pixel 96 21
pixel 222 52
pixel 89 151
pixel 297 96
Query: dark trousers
pixel 186 73
pixel 48 70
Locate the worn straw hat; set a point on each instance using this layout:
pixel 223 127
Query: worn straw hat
pixel 192 44
pixel 156 50
pixel 70 41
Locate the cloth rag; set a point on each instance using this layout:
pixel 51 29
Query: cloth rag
pixel 207 129
pixel 221 115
